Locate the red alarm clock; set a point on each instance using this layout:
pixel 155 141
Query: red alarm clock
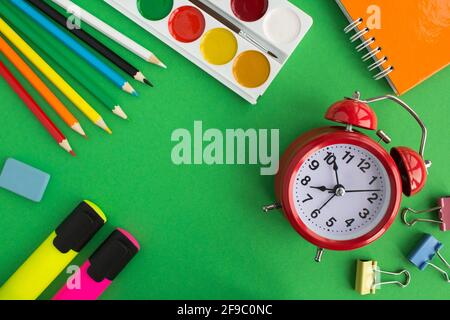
pixel 338 187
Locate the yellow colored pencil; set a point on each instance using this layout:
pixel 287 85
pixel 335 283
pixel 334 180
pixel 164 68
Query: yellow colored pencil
pixel 53 76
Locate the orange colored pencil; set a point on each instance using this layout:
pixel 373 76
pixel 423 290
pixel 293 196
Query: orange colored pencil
pixel 41 87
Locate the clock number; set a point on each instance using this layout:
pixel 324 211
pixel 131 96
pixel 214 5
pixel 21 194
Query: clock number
pixel 373 197
pixel 364 213
pixel 305 180
pixel 349 222
pixel 331 221
pixel 307 199
pixel 374 178
pixel 314 165
pixel 349 156
pixel 330 158
pixel 315 213
pixel 364 165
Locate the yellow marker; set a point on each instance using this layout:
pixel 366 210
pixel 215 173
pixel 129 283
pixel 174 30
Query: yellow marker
pixel 368 277
pixel 53 76
pixel 218 46
pixel 54 254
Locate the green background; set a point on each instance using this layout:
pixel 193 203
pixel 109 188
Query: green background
pixel 201 228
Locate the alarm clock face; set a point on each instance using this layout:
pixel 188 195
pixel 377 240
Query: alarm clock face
pixel 341 192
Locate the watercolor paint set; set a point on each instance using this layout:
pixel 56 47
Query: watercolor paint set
pixel 241 43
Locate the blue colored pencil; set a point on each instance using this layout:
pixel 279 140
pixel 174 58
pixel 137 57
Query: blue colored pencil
pixel 74 46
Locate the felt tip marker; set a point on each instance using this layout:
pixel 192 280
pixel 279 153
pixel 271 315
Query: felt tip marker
pixel 54 254
pixel 103 266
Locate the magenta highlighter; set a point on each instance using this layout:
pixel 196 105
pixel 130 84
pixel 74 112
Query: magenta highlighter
pixel 98 272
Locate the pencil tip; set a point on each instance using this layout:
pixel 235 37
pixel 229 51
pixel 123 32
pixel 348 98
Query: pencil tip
pixel 101 123
pixel 66 146
pixel 119 112
pixel 139 76
pixel 77 128
pixel 148 82
pixel 128 88
pixel 273 54
pixel 153 59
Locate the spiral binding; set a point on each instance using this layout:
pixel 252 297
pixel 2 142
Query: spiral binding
pixel 365 45
pixel 371 54
pixel 377 63
pixel 359 34
pixel 353 25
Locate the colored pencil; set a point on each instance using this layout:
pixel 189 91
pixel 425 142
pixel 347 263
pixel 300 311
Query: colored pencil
pixel 41 87
pixel 63 59
pixel 109 31
pixel 35 109
pixel 74 45
pixel 51 74
pixel 95 44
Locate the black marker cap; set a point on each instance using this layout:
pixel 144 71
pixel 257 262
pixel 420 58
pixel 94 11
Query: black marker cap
pixel 79 227
pixel 112 256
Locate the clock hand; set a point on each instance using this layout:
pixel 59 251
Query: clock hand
pixel 362 190
pixel 335 168
pixel 322 188
pixel 334 195
pixel 374 190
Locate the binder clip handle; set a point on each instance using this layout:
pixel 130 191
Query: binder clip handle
pixel 443 207
pixel 401 284
pixel 442 271
pixel 445 274
pixel 414 221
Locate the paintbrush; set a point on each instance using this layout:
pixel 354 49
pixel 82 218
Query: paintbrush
pixel 231 26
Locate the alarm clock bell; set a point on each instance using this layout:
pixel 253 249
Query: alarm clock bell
pixel 354 112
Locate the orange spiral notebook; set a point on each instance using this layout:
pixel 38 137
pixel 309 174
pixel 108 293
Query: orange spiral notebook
pixel 404 41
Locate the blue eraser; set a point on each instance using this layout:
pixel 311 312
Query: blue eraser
pixel 425 251
pixel 24 180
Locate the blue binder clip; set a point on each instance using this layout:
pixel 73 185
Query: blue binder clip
pixel 424 253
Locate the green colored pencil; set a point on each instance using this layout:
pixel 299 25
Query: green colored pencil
pixel 63 60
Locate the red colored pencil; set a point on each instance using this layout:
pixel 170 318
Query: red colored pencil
pixel 34 107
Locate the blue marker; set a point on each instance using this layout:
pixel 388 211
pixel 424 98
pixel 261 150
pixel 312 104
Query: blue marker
pixel 74 46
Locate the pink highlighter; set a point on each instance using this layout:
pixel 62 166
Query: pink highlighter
pixel 98 272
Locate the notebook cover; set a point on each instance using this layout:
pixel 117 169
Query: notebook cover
pixel 414 35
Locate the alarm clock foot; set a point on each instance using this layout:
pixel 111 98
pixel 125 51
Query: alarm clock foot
pixel 319 254
pixel 271 207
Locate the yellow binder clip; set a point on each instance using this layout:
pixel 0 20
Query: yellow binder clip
pixel 368 277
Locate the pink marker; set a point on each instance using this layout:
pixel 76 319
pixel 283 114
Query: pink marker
pixel 98 272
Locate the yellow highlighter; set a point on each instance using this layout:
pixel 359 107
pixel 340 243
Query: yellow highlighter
pixel 53 76
pixel 54 254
